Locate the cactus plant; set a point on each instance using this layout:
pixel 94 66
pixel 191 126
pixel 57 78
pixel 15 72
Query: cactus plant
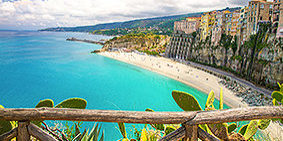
pixel 122 129
pixel 210 100
pixel 186 101
pixel 45 103
pixel 221 99
pixel 77 103
pixel 169 129
pixel 143 135
pixel 251 129
pixel 5 126
pixel 219 130
pixel 263 124
pixel 277 95
pixel 243 129
pixel 232 127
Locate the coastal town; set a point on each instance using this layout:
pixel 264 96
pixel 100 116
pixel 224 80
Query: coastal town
pixel 211 75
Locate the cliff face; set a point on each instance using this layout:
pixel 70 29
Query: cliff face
pixel 141 42
pixel 265 69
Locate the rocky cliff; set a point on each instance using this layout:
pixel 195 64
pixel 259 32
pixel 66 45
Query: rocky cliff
pixel 259 60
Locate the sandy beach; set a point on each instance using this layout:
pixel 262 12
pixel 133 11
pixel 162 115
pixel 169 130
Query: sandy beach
pixel 193 77
pixel 190 76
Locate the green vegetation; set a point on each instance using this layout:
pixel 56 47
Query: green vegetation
pixel 68 132
pixel 223 131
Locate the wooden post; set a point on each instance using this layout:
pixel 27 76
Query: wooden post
pixel 191 133
pixel 23 134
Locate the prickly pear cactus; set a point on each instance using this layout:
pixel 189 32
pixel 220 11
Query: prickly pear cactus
pixel 76 103
pixel 169 129
pixel 221 99
pixel 157 126
pixel 251 129
pixel 144 135
pixel 122 129
pixel 232 127
pixel 263 124
pixel 236 137
pixel 186 101
pixel 243 129
pixel 45 103
pixel 210 100
pixel 277 95
pixel 5 126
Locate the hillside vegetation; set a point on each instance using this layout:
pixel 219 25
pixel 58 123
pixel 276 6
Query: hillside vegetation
pixel 149 43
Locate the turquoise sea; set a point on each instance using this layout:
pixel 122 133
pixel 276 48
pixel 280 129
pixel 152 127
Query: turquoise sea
pixel 40 65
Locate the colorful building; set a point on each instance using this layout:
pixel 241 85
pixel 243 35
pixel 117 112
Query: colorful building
pixel 278 17
pixel 260 11
pixel 235 28
pixel 243 25
pixel 188 26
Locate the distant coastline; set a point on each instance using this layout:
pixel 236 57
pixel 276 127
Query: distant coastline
pixel 86 41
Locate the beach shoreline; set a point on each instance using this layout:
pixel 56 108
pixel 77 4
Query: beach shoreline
pixel 185 74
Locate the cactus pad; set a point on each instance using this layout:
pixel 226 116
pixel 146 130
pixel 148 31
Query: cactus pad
pixel 277 95
pixel 232 127
pixel 76 103
pixel 251 129
pixel 219 130
pixel 263 124
pixel 5 126
pixel 186 101
pixel 221 99
pixel 45 103
pixel 122 129
pixel 169 129
pixel 210 100
pixel 243 129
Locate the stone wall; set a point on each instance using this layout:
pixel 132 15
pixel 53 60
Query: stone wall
pixel 266 69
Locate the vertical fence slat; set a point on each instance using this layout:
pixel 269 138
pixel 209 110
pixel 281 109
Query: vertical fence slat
pixel 191 133
pixel 23 134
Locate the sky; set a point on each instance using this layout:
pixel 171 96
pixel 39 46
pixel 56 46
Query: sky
pixel 38 14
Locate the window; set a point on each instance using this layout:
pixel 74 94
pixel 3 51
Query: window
pixel 262 6
pixel 260 18
pixel 270 6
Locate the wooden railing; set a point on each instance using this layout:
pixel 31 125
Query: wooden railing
pixel 189 120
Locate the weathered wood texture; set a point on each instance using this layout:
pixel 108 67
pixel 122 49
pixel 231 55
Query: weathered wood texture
pixel 23 134
pixel 239 114
pixel 39 133
pixel 191 133
pixel 190 118
pixel 95 115
pixel 9 135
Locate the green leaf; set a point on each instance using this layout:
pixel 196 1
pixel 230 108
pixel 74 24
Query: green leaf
pixel 5 126
pixel 76 103
pixel 221 99
pixel 45 103
pixel 275 103
pixel 210 100
pixel 243 129
pixel 169 129
pixel 277 95
pixel 122 129
pixel 232 127
pixel 263 124
pixel 93 132
pixel 251 129
pixel 186 101
pixel 144 135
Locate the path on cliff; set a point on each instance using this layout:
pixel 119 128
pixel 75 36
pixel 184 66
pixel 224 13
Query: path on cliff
pixel 240 80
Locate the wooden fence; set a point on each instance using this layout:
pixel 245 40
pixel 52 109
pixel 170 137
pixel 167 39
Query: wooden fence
pixel 189 120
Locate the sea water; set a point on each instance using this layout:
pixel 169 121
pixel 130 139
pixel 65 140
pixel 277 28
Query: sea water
pixel 43 65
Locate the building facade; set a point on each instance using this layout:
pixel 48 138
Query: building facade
pixel 260 11
pixel 188 26
pixel 278 17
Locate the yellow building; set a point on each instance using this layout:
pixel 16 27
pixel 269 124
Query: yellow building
pixel 207 23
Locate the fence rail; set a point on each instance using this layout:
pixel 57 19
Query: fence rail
pixel 189 120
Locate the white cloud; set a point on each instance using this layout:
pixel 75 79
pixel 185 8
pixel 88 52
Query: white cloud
pixel 34 14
